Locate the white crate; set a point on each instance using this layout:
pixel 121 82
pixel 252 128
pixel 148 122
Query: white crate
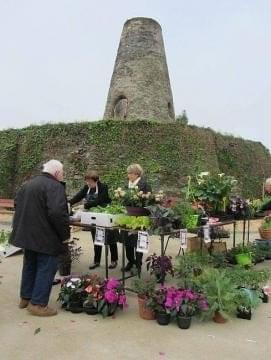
pixel 98 219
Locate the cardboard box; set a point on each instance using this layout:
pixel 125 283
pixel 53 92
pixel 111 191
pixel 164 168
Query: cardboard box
pixel 98 219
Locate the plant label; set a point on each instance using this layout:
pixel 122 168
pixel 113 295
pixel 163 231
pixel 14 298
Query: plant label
pixel 206 233
pixel 183 238
pixel 100 236
pixel 143 242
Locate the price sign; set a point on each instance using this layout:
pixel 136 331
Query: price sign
pixel 183 238
pixel 206 234
pixel 100 236
pixel 143 242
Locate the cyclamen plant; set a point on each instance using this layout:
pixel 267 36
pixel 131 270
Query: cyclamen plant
pixel 182 302
pixel 113 296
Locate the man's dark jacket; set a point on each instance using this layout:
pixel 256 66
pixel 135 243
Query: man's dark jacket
pixel 101 199
pixel 41 219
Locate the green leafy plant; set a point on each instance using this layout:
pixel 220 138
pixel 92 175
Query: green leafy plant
pixel 144 287
pixel 248 278
pixel 266 224
pixel 220 292
pixel 247 299
pixel 133 222
pixel 113 209
pixel 211 190
pixel 188 215
pixel 4 237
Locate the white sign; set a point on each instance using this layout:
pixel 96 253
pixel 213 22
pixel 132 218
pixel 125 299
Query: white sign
pixel 143 242
pixel 183 238
pixel 99 236
pixel 9 250
pixel 206 233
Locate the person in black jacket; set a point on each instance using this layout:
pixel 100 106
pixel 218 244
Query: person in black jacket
pixel 93 194
pixel 40 227
pixel 134 174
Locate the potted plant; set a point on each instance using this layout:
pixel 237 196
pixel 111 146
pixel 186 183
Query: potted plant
pixel 246 300
pixel 220 293
pixel 163 220
pixel 210 190
pixel 241 255
pixel 157 303
pixel 188 303
pixel 188 214
pixel 144 289
pixel 72 294
pixel 265 228
pixel 136 201
pixel 113 296
pixel 93 289
pixel 160 266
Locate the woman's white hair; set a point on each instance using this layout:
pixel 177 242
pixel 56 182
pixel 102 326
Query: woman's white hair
pixel 52 167
pixel 267 182
pixel 135 169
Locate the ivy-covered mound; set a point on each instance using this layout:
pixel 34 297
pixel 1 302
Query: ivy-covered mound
pixel 167 152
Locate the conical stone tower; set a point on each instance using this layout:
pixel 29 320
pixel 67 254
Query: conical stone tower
pixel 140 85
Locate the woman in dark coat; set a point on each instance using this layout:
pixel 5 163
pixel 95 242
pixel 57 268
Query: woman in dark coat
pixel 134 174
pixel 95 193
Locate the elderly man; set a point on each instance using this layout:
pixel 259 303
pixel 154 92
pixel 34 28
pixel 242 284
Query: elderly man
pixel 40 226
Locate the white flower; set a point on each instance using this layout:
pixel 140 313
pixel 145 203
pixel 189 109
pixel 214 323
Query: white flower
pixel 140 193
pixel 75 279
pixel 204 173
pixel 69 284
pixel 122 193
pixel 221 174
pixel 136 187
pixel 117 195
pixel 119 189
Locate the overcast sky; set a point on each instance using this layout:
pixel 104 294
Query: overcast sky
pixel 57 58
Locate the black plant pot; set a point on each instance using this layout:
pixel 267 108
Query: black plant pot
pixel 160 278
pixel 163 318
pixel 264 298
pixel 76 307
pixel 184 322
pixel 244 314
pixel 91 310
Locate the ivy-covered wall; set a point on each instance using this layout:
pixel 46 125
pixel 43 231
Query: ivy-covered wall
pixel 167 152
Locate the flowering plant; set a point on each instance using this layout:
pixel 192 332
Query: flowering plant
pixel 93 291
pixel 134 197
pixel 72 289
pixel 188 302
pixel 93 288
pixel 211 190
pixel 113 295
pixel 183 302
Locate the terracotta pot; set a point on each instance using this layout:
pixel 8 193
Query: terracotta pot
pixel 144 312
pixel 265 233
pixel 137 211
pixel 218 318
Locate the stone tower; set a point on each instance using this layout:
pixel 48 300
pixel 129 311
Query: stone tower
pixel 140 85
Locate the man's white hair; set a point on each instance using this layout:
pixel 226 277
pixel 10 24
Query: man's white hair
pixel 267 182
pixel 52 167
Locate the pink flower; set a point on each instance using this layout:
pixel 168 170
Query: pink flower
pixel 122 300
pixel 111 297
pixel 112 284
